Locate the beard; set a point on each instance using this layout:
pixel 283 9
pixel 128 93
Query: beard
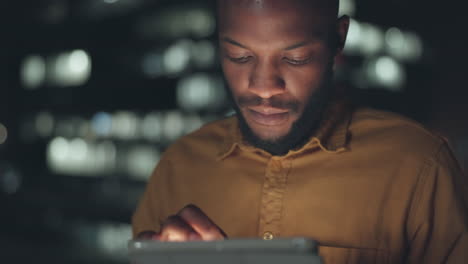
pixel 301 130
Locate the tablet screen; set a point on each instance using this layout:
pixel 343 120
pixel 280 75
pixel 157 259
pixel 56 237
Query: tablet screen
pixel 245 251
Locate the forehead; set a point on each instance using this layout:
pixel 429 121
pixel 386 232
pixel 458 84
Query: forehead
pixel 267 19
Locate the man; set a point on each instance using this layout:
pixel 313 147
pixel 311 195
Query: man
pixel 296 160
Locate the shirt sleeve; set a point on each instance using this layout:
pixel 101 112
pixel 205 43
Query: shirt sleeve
pixel 147 214
pixel 437 225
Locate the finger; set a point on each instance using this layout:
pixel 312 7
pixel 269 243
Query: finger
pixel 175 229
pixel 146 235
pixel 156 236
pixel 201 223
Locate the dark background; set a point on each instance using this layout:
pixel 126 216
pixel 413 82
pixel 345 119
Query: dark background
pixel 75 155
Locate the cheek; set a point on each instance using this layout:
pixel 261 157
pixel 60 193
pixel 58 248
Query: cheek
pixel 304 81
pixel 237 77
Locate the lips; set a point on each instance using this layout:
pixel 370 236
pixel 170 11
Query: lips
pixel 267 116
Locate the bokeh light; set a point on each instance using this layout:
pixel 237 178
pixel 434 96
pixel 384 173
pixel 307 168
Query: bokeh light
pixel 200 91
pixel 386 72
pixel 69 68
pixel 3 133
pixel 33 71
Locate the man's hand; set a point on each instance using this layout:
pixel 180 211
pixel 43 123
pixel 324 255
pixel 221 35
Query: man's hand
pixel 189 224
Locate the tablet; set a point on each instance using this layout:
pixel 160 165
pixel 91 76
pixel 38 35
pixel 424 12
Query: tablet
pixel 235 251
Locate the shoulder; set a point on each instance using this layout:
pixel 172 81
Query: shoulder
pixel 394 132
pixel 205 141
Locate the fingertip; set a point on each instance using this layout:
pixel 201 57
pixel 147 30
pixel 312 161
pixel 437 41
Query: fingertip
pixel 156 236
pixel 194 237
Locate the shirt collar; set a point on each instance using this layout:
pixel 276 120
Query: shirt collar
pixel 331 136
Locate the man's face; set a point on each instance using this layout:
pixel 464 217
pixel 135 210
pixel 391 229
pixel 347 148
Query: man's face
pixel 276 57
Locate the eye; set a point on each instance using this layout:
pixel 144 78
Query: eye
pixel 240 60
pixel 298 62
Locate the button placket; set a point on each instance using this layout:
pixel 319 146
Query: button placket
pixel 272 199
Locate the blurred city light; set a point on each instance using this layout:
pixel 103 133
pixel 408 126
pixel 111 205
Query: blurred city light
pixel 201 21
pixel 403 45
pixel 151 126
pixel 79 151
pixel 192 123
pixel 203 54
pixel 177 57
pixel 112 239
pixel 33 72
pixel 372 39
pixel 58 150
pixel 125 125
pixel 65 128
pixel 178 22
pixel 386 72
pixel 347 7
pixel 173 125
pixel 101 124
pixel 3 134
pixel 152 65
pixel 99 9
pixel 44 124
pixel 353 40
pixel 141 160
pixel 364 39
pixel 77 157
pixel 10 179
pixel 69 68
pixel 200 91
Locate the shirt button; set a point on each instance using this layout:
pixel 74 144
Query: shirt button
pixel 268 235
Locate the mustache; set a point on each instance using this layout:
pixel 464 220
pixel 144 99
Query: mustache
pixel 274 102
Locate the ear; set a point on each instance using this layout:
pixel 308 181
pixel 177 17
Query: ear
pixel 342 32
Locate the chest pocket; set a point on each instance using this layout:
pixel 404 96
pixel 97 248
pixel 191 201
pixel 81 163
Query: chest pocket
pixel 350 255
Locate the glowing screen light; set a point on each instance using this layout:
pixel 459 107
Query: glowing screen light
pixel 33 71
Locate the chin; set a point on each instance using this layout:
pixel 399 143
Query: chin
pixel 269 133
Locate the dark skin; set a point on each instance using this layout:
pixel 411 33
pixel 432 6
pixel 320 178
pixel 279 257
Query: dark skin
pixel 275 55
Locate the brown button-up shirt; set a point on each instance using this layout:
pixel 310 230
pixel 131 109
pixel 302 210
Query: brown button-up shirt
pixel 369 186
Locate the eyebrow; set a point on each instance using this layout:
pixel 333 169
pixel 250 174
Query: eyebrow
pixel 233 42
pixel 298 45
pixel 294 46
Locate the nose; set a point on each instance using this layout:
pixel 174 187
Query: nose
pixel 265 80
